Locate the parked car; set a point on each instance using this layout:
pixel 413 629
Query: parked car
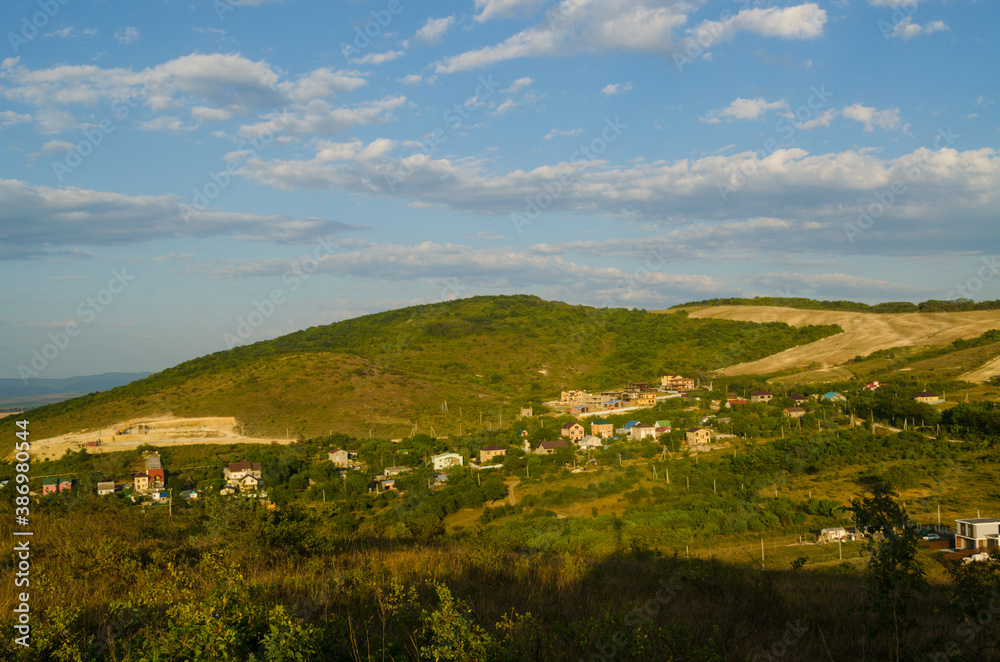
pixel 932 536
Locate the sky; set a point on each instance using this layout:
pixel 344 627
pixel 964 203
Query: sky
pixel 178 178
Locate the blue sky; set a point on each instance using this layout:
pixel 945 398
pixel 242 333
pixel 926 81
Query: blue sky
pixel 177 178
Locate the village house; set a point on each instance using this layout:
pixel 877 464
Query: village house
pixel 549 447
pixel 65 484
pixel 602 429
pixel 154 470
pixel 140 483
pixel 977 533
pixel 644 400
pixel 228 490
pixel 338 456
pixel 447 460
pixel 697 436
pixel 105 487
pixel 833 396
pixel 677 383
pixel 641 431
pixel 527 412
pixel 794 412
pixel 487 453
pixel 871 386
pixel 799 399
pixel 760 396
pixel 590 442
pixel 574 431
pixel 245 475
pixel 50 485
pixel 927 397
pixel 395 471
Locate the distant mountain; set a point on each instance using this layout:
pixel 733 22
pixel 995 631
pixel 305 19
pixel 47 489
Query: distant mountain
pixel 929 306
pixel 440 367
pixel 17 388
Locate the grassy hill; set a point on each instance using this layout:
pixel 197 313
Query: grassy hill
pixel 382 374
pixel 801 303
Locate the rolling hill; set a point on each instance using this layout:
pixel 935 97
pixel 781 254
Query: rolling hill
pixel 439 367
pixel 864 333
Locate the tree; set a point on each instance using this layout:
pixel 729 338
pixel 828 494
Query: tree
pixel 894 574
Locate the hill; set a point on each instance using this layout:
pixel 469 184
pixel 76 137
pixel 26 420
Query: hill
pixel 864 333
pixel 929 306
pixel 439 368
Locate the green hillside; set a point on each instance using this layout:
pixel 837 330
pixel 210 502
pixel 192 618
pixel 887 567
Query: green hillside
pixel 930 306
pixel 385 372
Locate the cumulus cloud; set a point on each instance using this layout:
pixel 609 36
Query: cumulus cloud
pixel 871 117
pixel 907 29
pixel 65 217
pixel 127 35
pixel 824 189
pixel 434 29
pixel 213 87
pixel 615 89
pixel 493 9
pixel 377 58
pixel 745 109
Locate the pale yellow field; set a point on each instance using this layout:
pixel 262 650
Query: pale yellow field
pixel 863 334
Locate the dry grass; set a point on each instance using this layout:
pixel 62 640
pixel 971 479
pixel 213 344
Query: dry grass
pixel 863 334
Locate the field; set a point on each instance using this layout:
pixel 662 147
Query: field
pixel 863 334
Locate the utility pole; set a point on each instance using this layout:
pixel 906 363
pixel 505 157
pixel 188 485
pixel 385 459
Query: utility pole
pixel 171 501
pixel 761 553
pixel 668 475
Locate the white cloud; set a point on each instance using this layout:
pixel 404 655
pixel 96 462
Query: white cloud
pixel 206 30
pixel 377 58
pixel 62 34
pixel 519 85
pixel 10 118
pixel 412 79
pixel 42 216
pixel 167 123
pixel 907 29
pixel 434 29
pixel 646 26
pixel 213 87
pixel 559 132
pixel 615 89
pixel 824 189
pixel 821 120
pixel 745 109
pixel 871 117
pixel 493 9
pixel 127 35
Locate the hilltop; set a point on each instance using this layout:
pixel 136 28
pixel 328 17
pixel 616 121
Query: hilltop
pixel 437 368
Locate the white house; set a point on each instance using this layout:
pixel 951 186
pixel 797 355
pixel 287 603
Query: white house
pixel 976 533
pixel 447 460
pixel 105 488
pixel 641 431
pixel 244 474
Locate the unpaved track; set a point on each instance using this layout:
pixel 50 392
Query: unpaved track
pixel 863 334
